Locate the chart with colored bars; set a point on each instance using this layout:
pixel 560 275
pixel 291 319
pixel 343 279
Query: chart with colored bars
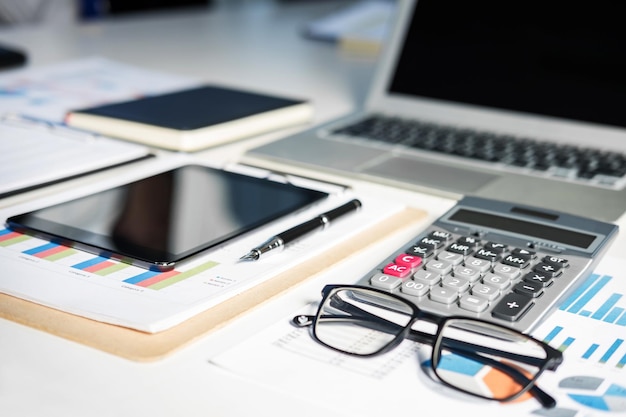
pixel 594 302
pixel 609 311
pixel 589 327
pixel 99 265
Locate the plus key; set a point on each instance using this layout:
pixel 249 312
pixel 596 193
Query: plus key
pixel 512 306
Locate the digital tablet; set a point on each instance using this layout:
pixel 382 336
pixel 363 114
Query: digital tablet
pixel 161 220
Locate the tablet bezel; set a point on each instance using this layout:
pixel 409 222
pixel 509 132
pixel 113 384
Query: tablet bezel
pixel 85 238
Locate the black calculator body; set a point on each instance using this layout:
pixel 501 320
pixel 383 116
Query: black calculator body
pixel 496 261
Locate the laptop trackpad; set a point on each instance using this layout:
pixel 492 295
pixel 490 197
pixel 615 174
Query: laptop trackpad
pixel 430 175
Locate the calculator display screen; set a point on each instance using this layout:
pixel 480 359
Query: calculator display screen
pixel 541 231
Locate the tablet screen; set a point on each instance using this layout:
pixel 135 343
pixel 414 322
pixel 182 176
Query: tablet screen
pixel 160 220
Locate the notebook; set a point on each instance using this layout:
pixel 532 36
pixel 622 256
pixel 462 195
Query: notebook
pixel 521 101
pixel 194 118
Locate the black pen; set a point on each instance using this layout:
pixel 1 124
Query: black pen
pixel 282 239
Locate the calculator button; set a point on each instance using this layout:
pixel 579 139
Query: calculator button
pixel 495 247
pixel 427 277
pixel 549 270
pixel 520 261
pixel 460 248
pixel 487 254
pixel 556 261
pixel 443 295
pixel 421 250
pixel 472 303
pixel 440 235
pixel 455 283
pixel 434 242
pixel 385 282
pixel 485 291
pixel 481 265
pixel 453 258
pixel 507 271
pixel 512 306
pixel 496 281
pixel 469 241
pixel 539 278
pixel 414 288
pixel 524 252
pixel 440 267
pixel 396 270
pixel 530 289
pixel 468 273
pixel 411 261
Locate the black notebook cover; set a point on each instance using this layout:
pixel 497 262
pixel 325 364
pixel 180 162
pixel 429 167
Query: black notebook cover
pixel 192 109
pixel 193 119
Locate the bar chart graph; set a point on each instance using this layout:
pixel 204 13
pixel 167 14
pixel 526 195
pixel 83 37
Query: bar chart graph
pixel 590 324
pixel 609 310
pixel 601 353
pixel 99 265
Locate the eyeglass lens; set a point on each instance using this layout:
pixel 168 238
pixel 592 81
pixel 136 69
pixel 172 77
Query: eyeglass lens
pixel 360 322
pixel 473 356
pixel 486 360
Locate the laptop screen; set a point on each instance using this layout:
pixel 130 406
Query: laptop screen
pixel 555 58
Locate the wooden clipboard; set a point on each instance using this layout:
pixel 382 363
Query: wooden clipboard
pixel 139 346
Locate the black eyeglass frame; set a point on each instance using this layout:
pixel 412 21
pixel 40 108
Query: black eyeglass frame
pixel 551 362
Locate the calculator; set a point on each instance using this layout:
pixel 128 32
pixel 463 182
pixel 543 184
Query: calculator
pixel 501 262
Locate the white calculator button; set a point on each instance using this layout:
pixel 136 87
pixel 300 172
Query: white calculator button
pixel 496 281
pixel 473 303
pixel 453 258
pixel 455 283
pixel 485 291
pixel 511 272
pixel 427 277
pixel 443 295
pixel 385 282
pixel 466 272
pixel 414 288
pixel 481 265
pixel 440 267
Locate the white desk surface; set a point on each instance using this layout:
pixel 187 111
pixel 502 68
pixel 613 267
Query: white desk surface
pixel 256 45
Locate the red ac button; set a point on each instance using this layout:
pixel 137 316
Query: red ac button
pixel 397 270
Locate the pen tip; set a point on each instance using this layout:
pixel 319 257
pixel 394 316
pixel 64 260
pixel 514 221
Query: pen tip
pixel 250 256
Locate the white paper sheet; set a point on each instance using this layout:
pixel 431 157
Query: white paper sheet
pixel 122 294
pixel 590 382
pixel 36 149
pixel 48 92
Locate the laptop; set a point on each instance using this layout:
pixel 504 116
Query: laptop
pixel 520 101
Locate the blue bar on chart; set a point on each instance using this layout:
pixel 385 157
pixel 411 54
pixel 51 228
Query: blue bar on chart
pixel 100 265
pixel 604 308
pixel 590 351
pixel 566 343
pixel 607 355
pixel 553 333
pixel 550 337
pixel 608 311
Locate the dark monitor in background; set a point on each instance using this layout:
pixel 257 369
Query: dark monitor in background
pixel 90 9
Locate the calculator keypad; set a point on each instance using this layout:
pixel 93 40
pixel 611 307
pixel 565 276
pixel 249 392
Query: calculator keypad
pixel 464 275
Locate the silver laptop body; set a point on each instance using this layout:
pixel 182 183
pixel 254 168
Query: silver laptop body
pixel 480 67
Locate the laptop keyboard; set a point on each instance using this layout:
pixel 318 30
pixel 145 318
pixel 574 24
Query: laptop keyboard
pixel 564 161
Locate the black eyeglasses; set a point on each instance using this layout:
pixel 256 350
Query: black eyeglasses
pixel 470 355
